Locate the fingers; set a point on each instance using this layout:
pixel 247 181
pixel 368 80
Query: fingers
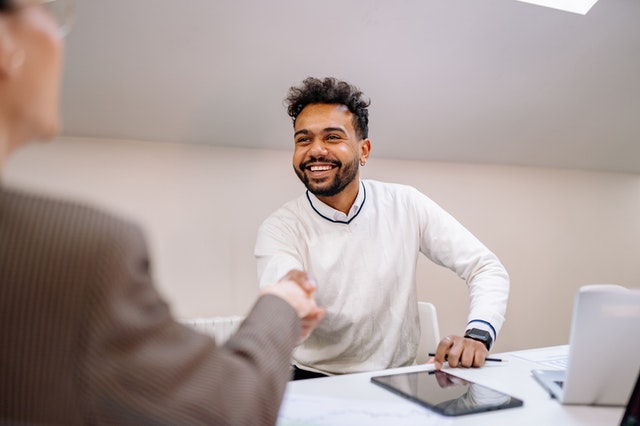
pixel 303 279
pixel 297 289
pixel 301 301
pixel 460 352
pixel 441 352
pixel 311 317
pixel 310 322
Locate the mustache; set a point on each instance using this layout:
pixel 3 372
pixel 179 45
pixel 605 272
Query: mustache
pixel 306 164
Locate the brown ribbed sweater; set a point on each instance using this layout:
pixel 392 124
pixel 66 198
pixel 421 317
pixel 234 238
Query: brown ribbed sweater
pixel 85 337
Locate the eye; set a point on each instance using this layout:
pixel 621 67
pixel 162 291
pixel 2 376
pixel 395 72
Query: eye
pixel 302 140
pixel 334 137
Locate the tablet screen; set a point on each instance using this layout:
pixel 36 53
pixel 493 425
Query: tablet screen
pixel 445 393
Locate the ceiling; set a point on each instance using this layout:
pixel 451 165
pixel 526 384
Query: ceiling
pixel 483 81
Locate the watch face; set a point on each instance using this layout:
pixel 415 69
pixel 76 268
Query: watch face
pixel 479 335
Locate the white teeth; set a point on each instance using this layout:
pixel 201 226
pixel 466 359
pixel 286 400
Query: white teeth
pixel 319 168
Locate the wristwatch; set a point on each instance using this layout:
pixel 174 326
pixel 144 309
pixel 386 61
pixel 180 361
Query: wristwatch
pixel 479 335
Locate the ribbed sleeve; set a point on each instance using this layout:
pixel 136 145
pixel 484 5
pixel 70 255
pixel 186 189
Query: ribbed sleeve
pixel 85 338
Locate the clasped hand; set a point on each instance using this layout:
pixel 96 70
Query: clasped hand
pixel 297 289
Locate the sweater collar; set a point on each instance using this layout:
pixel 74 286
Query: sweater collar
pixel 329 213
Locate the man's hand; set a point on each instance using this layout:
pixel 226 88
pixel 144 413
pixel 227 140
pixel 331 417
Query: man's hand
pixel 460 351
pixel 297 289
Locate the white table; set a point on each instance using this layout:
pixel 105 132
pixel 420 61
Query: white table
pixel 353 400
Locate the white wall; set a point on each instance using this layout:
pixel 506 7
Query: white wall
pixel 554 230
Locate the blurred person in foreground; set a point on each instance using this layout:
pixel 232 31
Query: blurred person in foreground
pixel 85 338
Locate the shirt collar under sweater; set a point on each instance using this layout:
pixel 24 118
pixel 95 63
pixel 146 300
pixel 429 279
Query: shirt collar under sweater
pixel 333 215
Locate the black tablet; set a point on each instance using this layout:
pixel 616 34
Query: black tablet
pixel 445 393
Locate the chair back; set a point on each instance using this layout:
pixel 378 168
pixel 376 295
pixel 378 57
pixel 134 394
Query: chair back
pixel 429 331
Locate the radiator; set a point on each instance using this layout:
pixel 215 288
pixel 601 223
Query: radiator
pixel 221 328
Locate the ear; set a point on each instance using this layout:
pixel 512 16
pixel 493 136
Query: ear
pixel 365 150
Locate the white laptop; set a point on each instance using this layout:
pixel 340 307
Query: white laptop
pixel 604 349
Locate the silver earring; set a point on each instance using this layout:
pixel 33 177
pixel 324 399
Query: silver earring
pixel 363 162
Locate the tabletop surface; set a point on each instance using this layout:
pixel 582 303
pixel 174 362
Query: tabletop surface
pixel 353 400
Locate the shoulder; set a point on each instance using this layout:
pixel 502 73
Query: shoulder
pixel 378 186
pixel 289 212
pixel 402 200
pixel 70 247
pixel 391 190
pixel 71 223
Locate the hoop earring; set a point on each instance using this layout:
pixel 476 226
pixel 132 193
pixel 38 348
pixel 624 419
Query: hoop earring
pixel 362 163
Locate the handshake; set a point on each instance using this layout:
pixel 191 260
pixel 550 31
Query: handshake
pixel 297 288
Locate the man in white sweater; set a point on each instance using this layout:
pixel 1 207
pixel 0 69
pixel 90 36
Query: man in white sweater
pixel 361 239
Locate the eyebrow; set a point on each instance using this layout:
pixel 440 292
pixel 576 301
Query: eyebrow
pixel 325 130
pixel 333 129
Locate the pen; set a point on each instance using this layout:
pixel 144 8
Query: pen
pixel 486 359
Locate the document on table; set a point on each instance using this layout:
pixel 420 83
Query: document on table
pixel 555 356
pixel 314 410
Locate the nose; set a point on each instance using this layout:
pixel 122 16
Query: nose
pixel 317 148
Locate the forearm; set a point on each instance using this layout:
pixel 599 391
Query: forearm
pixel 489 293
pixel 142 367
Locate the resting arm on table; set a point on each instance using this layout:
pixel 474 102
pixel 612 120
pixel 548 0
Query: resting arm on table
pixel 448 243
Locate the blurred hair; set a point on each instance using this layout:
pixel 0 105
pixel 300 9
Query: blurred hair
pixel 330 91
pixel 6 5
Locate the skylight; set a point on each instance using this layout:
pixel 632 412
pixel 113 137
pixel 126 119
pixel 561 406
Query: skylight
pixel 574 6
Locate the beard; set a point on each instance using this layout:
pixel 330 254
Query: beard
pixel 328 187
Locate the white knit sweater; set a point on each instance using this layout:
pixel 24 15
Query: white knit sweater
pixel 366 272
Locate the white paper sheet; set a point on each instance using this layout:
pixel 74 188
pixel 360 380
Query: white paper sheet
pixel 312 410
pixel 555 356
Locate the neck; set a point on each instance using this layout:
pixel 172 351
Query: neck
pixel 345 199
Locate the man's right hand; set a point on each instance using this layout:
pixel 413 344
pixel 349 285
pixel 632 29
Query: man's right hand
pixel 297 289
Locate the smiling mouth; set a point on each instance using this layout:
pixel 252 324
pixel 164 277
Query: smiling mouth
pixel 320 168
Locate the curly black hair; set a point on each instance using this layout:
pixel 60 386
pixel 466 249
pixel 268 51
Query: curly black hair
pixel 330 91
